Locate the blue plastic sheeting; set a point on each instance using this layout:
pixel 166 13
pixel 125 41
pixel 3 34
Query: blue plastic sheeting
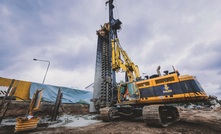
pixel 70 95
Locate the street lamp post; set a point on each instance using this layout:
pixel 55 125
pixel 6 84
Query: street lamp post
pixel 47 67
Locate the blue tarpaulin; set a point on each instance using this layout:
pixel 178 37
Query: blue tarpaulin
pixel 70 95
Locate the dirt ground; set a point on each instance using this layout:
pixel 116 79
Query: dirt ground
pixel 192 122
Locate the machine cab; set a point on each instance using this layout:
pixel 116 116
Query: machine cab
pixel 128 92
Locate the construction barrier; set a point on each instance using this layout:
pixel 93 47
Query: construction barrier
pixel 22 88
pixel 25 90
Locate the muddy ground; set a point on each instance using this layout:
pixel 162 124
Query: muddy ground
pixel 192 122
pixel 21 108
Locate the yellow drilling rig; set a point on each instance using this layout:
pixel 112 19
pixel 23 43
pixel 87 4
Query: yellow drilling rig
pixel 151 98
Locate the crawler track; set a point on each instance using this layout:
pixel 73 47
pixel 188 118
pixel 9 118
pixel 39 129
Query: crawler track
pixel 108 114
pixel 160 115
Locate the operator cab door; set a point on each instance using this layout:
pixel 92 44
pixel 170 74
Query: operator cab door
pixel 128 92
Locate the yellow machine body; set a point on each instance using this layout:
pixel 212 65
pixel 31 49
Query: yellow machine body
pixel 170 88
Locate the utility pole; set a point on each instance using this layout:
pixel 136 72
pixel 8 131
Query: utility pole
pixel 46 69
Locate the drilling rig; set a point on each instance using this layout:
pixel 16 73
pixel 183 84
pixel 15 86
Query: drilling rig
pixel 105 76
pixel 151 98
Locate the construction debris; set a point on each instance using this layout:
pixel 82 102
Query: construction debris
pixel 7 99
pixel 30 121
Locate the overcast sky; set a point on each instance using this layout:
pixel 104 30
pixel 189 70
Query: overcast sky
pixel 185 34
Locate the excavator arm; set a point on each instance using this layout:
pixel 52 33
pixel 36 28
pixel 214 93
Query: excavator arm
pixel 126 64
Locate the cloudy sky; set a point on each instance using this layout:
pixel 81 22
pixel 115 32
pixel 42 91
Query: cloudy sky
pixel 185 34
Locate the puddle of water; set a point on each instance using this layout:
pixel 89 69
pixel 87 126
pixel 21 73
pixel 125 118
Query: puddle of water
pixel 64 121
pixel 8 122
pixel 75 121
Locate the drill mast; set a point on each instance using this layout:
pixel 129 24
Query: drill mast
pixel 105 78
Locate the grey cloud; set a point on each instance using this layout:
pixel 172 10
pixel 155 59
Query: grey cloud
pixel 204 57
pixel 184 33
pixel 73 61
